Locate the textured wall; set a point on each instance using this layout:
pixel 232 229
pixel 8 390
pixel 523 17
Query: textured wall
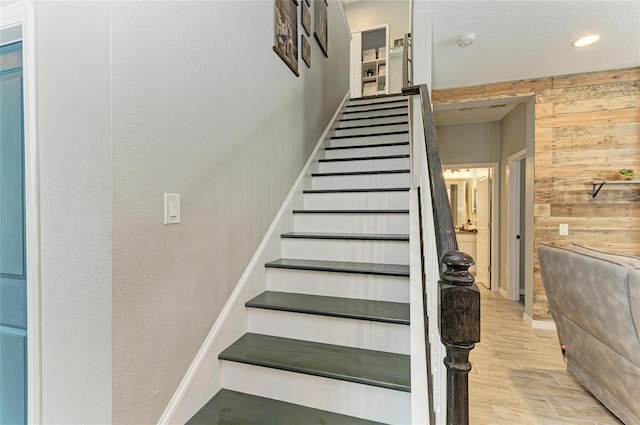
pixel 74 140
pixel 202 107
pixel 138 99
pixel 586 127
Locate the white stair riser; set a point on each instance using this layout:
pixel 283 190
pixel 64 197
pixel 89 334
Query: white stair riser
pixel 333 284
pixel 364 165
pixel 369 130
pixel 347 398
pixel 389 252
pixel 369 140
pixel 378 113
pixel 371 151
pixel 357 200
pixel 351 223
pixel 368 121
pixel 364 106
pixel 361 181
pixel 370 335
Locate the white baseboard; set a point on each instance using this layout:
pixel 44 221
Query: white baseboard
pixel 539 324
pixel 203 378
pixel 504 293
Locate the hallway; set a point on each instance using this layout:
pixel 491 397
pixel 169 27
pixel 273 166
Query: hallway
pixel 519 376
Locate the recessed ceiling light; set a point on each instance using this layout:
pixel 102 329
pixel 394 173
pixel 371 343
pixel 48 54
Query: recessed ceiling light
pixel 586 41
pixel 466 39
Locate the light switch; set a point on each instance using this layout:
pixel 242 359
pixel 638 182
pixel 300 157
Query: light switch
pixel 563 229
pixel 171 208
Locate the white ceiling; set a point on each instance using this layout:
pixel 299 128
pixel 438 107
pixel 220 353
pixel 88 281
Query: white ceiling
pixel 529 39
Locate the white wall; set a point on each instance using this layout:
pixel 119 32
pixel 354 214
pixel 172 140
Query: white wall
pixel 74 137
pixel 137 99
pixel 513 135
pixel 469 143
pixel 367 13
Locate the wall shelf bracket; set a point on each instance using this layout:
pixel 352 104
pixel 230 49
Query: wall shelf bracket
pixel 596 188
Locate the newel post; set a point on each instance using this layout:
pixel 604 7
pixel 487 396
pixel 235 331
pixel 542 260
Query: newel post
pixel 459 330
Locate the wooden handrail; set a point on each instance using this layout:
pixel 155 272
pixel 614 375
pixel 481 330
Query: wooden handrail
pixel 459 319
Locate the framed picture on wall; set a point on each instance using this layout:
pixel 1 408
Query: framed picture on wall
pixel 397 43
pixel 285 42
pixel 321 30
pixel 306 50
pixel 306 17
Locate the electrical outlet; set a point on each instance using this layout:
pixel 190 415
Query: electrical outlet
pixel 563 229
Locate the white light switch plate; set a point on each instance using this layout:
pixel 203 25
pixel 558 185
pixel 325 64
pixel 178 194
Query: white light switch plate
pixel 563 229
pixel 171 208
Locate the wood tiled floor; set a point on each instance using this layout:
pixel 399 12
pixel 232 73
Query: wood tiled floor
pixel 519 375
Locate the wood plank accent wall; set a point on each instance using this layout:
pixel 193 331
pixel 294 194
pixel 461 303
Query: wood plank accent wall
pixel 587 126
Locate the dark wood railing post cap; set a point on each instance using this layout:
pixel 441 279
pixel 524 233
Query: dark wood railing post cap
pixel 459 301
pixel 457 268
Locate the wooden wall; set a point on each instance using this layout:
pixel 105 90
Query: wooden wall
pixel 587 126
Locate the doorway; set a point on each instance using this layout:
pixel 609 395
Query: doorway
pixel 516 178
pixel 13 264
pixel 472 198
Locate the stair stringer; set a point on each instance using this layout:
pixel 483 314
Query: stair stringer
pixel 203 378
pixel 419 373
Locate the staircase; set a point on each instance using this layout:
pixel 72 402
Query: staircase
pixel 328 342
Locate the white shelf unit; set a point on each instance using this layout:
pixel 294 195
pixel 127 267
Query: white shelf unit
pixel 374 62
pixel 370 61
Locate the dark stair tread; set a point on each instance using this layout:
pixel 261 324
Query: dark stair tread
pixel 378 96
pixel 348 236
pixel 360 173
pixel 389 108
pixel 386 102
pixel 384 124
pixel 365 158
pixel 382 133
pixel 352 308
pixel 374 145
pixel 376 368
pixel 400 270
pixel 236 408
pixel 375 117
pixel 381 189
pixel 351 211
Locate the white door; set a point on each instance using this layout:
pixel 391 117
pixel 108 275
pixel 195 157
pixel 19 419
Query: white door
pixel 482 237
pixel 355 65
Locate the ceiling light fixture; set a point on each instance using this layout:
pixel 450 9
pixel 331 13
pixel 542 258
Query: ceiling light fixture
pixel 587 40
pixel 466 39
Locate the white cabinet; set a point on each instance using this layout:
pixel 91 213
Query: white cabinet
pixel 369 73
pixel 467 244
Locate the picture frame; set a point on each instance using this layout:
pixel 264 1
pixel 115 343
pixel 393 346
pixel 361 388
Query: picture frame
pixel 306 50
pixel 397 43
pixel 285 31
pixel 305 17
pixel 321 29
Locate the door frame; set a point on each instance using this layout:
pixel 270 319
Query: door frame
pixel 360 30
pixel 494 175
pixel 22 14
pixel 514 192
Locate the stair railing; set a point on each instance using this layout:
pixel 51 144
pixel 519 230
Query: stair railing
pixel 453 303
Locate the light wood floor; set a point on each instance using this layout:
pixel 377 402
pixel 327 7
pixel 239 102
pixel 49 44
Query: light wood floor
pixel 519 375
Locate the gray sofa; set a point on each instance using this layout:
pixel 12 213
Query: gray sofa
pixel 594 299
